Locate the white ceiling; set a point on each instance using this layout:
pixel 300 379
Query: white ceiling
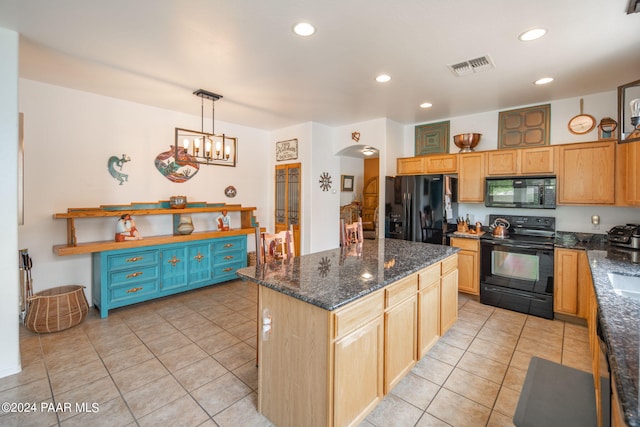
pixel 157 52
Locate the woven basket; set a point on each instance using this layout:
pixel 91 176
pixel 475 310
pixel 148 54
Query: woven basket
pixel 56 309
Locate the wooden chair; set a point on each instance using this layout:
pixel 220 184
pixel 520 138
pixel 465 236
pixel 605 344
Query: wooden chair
pixel 277 246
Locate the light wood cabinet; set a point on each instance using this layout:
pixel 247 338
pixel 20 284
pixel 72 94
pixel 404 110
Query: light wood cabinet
pixel 400 330
pixel 633 173
pixel 410 166
pixel 526 161
pixel 428 308
pixel 449 294
pixel 471 177
pixel 572 281
pixel 586 173
pixel 445 163
pixel 502 162
pixel 468 264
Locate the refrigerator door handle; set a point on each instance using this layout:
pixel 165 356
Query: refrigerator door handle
pixel 408 226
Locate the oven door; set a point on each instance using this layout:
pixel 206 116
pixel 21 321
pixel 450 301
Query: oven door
pixel 521 267
pixel 517 277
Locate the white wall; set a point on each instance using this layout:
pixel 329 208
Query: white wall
pixel 69 136
pixel 9 311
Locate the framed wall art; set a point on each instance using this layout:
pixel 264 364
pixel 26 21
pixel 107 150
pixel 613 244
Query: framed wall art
pixel 287 150
pixel 432 138
pixel 347 183
pixel 524 127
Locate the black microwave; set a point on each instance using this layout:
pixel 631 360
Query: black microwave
pixel 521 192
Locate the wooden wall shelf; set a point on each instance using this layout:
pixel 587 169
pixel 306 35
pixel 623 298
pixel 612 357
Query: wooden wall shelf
pixel 248 225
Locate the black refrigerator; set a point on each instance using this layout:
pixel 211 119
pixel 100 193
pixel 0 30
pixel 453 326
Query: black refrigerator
pixel 420 208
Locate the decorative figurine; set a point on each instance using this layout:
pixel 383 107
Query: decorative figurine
pixel 185 226
pixel 126 229
pixel 224 222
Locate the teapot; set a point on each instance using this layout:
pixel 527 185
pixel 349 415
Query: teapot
pixel 500 228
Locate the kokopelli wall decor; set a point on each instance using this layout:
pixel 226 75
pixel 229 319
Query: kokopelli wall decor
pixel 115 162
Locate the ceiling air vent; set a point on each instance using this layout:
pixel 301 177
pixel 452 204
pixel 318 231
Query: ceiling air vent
pixel 474 65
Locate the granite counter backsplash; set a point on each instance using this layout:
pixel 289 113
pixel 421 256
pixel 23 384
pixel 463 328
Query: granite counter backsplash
pixel 333 278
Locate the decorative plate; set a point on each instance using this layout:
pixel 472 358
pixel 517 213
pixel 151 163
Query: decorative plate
pixel 230 191
pixel 176 171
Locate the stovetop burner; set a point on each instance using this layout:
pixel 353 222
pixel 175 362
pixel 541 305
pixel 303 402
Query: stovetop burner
pixel 538 230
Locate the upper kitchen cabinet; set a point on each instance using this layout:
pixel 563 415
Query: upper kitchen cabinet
pixel 633 173
pixel 586 173
pixel 445 163
pixel 471 177
pixel 527 161
pixel 410 166
pixel 427 165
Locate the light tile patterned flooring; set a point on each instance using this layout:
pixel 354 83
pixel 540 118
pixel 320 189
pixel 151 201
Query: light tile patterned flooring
pixel 189 360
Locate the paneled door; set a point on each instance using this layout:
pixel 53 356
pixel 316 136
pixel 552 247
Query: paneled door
pixel 288 186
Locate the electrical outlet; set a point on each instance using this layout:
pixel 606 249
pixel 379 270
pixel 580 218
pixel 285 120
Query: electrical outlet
pixel 595 222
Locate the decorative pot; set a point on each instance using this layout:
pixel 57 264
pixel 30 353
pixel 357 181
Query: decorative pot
pixel 178 202
pixel 185 226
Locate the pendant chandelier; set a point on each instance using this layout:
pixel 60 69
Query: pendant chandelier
pixel 202 147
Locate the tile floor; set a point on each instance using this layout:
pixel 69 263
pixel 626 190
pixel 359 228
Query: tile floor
pixel 189 360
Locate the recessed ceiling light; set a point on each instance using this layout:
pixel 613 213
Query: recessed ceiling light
pixel 368 151
pixel 426 105
pixel 536 33
pixel 304 29
pixel 543 81
pixel 383 78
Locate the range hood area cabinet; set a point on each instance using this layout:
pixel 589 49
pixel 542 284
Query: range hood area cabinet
pixel 524 161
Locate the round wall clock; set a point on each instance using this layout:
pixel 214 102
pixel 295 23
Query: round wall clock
pixel 582 123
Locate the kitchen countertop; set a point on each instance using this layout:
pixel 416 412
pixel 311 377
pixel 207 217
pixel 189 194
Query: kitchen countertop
pixel 333 278
pixel 620 320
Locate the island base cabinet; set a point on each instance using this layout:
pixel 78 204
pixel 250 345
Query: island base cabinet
pixel 449 294
pixel 293 362
pixel 428 308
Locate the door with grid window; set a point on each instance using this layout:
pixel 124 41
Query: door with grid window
pixel 288 185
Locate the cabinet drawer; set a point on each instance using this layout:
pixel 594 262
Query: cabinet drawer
pixel 132 260
pixel 132 276
pixel 358 313
pixel 227 257
pixel 134 291
pixel 468 244
pixel 228 245
pixel 449 264
pixel 401 290
pixel 428 276
pixel 227 269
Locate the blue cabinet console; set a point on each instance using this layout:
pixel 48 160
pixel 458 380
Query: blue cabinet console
pixel 128 276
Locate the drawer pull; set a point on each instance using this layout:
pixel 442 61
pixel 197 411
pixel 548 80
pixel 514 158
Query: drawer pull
pixel 229 245
pixel 134 259
pixel 229 257
pixel 199 257
pixel 173 261
pixel 136 274
pixel 227 269
pixel 132 290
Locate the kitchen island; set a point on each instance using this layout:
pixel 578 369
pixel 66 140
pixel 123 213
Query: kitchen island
pixel 339 328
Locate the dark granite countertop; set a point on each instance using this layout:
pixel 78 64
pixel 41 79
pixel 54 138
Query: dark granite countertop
pixel 620 321
pixel 333 278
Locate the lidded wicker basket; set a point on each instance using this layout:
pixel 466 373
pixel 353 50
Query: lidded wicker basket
pixel 56 309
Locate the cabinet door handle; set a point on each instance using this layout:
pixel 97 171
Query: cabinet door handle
pixel 228 269
pixel 198 257
pixel 173 261
pixel 132 290
pixel 136 274
pixel 134 259
pixel 229 257
pixel 228 245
